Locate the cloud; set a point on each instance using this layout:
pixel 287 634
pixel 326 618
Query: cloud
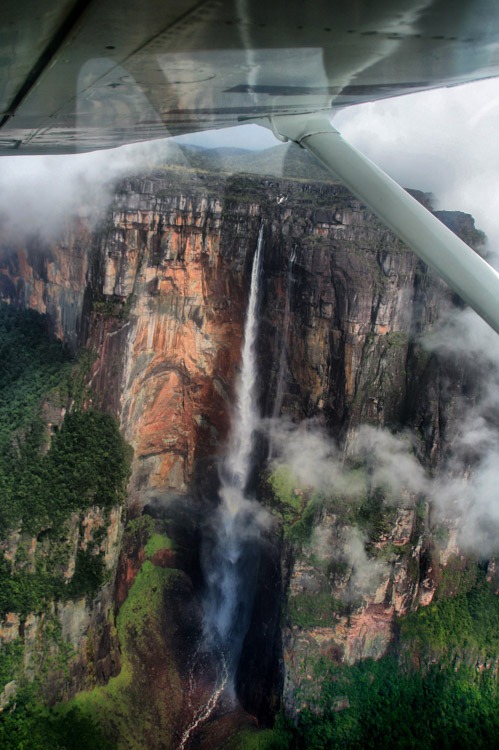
pixel 323 543
pixel 468 491
pixel 314 459
pixel 481 515
pixel 240 514
pixel 464 333
pixel 469 504
pixel 464 495
pixel 367 573
pixel 442 141
pixel 391 461
pixel 349 549
pixel 41 194
pixel 317 461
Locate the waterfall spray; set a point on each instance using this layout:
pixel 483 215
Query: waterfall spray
pixel 230 572
pixel 231 551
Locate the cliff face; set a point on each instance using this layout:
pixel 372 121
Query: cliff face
pixel 49 277
pixel 183 333
pixel 158 294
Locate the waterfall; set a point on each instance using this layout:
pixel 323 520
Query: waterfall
pixel 237 463
pixel 232 563
pixel 230 554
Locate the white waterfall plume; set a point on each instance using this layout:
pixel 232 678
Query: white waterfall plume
pixel 230 554
pixel 232 560
pixel 237 462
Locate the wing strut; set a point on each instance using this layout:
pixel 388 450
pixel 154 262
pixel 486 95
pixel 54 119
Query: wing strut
pixel 463 269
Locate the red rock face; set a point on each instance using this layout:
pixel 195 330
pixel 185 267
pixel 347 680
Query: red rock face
pixel 181 342
pixel 158 294
pixel 163 314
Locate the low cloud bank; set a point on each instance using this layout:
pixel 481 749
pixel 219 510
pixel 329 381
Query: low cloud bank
pixel 40 195
pixel 465 493
pixel 470 488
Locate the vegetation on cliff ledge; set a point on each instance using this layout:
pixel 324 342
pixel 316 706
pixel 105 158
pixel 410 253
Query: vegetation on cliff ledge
pixel 127 708
pixel 86 465
pixel 437 689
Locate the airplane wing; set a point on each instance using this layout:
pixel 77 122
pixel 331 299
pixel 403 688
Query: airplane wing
pixel 79 75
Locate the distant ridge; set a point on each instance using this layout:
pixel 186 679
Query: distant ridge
pixel 278 161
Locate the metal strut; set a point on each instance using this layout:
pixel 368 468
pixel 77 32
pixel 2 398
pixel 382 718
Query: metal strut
pixel 463 269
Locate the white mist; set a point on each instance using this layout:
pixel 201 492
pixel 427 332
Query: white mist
pixel 230 569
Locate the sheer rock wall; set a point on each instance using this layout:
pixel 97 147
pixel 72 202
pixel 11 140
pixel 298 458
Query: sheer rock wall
pixel 158 294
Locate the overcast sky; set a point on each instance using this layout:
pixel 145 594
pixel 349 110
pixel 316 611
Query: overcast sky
pixel 444 141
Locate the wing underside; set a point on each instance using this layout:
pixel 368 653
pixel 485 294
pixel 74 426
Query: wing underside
pixel 96 73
